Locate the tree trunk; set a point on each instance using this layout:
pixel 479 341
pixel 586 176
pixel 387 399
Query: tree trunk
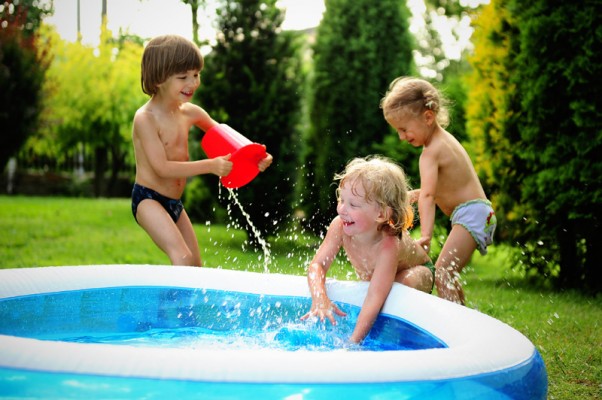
pixel 100 166
pixel 570 265
pixel 593 255
pixel 194 7
pixel 117 164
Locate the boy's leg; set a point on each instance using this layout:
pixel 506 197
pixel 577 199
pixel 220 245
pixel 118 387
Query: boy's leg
pixel 153 218
pixel 185 227
pixel 454 256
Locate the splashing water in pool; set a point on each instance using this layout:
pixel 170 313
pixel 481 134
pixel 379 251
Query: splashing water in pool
pixel 196 319
pixel 290 337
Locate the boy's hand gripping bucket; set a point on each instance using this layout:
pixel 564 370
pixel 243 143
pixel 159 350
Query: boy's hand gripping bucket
pixel 221 140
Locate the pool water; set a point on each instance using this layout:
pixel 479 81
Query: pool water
pixel 196 319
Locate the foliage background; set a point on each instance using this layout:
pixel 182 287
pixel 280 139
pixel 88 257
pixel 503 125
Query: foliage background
pixel 251 82
pixel 535 121
pixel 355 59
pixel 23 63
pixel 525 107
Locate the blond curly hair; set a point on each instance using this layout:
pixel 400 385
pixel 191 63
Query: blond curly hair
pixel 385 183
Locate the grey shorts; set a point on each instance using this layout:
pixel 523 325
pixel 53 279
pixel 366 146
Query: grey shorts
pixel 478 217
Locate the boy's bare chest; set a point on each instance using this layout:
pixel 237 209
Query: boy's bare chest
pixel 174 138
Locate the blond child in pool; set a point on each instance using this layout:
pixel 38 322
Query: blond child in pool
pixel 373 217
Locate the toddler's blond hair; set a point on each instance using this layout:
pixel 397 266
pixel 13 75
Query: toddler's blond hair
pixel 414 96
pixel 385 183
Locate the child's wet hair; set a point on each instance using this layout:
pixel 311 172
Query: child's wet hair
pixel 384 183
pixel 165 56
pixel 414 96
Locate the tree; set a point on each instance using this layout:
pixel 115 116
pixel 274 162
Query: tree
pixel 194 8
pixel 491 104
pixel 23 63
pixel 355 59
pixel 540 130
pixel 251 82
pixel 93 94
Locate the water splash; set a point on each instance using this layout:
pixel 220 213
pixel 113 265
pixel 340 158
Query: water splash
pixel 267 257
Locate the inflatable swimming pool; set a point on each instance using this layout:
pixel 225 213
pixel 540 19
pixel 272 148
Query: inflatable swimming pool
pixel 55 321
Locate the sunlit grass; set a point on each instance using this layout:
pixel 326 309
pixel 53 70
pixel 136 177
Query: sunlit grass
pixel 52 231
pixel 564 326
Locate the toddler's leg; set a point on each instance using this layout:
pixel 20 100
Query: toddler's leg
pixel 418 277
pixel 454 256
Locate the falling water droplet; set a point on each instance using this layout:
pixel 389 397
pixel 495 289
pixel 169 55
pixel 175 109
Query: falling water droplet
pixel 267 258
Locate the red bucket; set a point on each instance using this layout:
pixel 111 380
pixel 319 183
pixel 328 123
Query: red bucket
pixel 221 140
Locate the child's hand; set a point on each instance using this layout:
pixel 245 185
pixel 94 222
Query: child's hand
pixel 324 309
pixel 413 196
pixel 222 165
pixel 425 243
pixel 266 162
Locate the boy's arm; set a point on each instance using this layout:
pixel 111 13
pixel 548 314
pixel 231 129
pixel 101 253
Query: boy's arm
pixel 429 174
pixel 380 286
pixel 145 129
pixel 321 306
pixel 200 117
pixel 204 121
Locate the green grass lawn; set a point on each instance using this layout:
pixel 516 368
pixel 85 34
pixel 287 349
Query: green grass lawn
pixel 564 326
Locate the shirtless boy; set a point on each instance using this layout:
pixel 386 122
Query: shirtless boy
pixel 171 69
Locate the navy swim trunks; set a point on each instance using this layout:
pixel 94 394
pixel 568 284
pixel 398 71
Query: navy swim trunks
pixel 173 207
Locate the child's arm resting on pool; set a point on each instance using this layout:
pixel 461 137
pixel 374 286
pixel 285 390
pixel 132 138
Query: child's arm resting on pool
pixel 321 306
pixel 380 286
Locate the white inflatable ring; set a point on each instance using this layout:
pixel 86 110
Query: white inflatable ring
pixel 483 357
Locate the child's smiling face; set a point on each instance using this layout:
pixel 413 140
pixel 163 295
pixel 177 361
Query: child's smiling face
pixel 357 213
pixel 182 85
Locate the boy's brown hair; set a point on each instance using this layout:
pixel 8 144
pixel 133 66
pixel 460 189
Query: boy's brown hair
pixel 165 56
